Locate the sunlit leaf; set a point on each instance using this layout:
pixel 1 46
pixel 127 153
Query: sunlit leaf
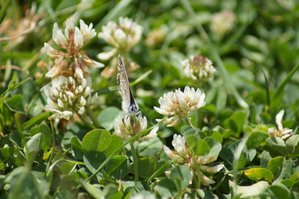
pixel 258 174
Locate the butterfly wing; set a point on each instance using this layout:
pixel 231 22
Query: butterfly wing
pixel 128 102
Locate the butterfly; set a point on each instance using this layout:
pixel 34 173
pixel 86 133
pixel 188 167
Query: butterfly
pixel 129 105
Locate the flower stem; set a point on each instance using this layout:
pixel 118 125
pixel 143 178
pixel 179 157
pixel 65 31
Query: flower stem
pixel 93 118
pixel 188 121
pixel 86 121
pixel 52 128
pixel 135 161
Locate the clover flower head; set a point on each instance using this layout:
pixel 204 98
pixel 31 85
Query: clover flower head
pixel 222 22
pixel 67 96
pixel 156 36
pixel 69 60
pixel 127 126
pixel 72 38
pixel 177 104
pixel 182 154
pixel 122 36
pixel 198 67
pixel 16 30
pixel 281 132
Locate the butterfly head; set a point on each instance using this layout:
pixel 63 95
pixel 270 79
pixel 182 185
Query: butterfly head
pixel 133 108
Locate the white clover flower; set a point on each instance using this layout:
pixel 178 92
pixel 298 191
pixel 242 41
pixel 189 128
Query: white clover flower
pixel 182 154
pixel 70 59
pixel 122 36
pixel 178 104
pixel 156 36
pixel 129 125
pixel 198 67
pixel 87 31
pixel 73 38
pixel 222 22
pixel 66 96
pixel 202 161
pixel 281 132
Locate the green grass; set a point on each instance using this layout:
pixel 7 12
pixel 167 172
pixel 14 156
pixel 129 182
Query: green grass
pixel 256 76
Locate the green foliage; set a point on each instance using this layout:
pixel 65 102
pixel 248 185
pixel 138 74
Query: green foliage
pixel 235 145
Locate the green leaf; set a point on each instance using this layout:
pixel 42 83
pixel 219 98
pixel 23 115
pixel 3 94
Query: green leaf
pixel 96 140
pixel 15 103
pixel 147 166
pixel 215 147
pixel 107 117
pixel 253 190
pixel 295 177
pixel 166 188
pixel 32 147
pixel 27 184
pixel 77 147
pixel 217 136
pixel 256 139
pixel 66 166
pixel 93 160
pixel 115 141
pixel 280 190
pixel 36 120
pixel 96 146
pixel 277 144
pixel 115 163
pixel 279 92
pixel 192 139
pixel 202 148
pixel 257 174
pixel 292 143
pixel 47 139
pixel 236 122
pixel 92 190
pixel 181 176
pixel 275 165
pixel 150 148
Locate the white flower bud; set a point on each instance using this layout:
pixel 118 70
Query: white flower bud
pixel 78 38
pixel 87 91
pixel 87 31
pixel 78 73
pixel 179 144
pixel 281 132
pixel 206 181
pixel 82 101
pixel 60 103
pixel 81 111
pixel 58 36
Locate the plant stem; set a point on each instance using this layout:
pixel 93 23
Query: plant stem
pixel 188 121
pixel 85 121
pixel 135 161
pixel 52 128
pixel 92 117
